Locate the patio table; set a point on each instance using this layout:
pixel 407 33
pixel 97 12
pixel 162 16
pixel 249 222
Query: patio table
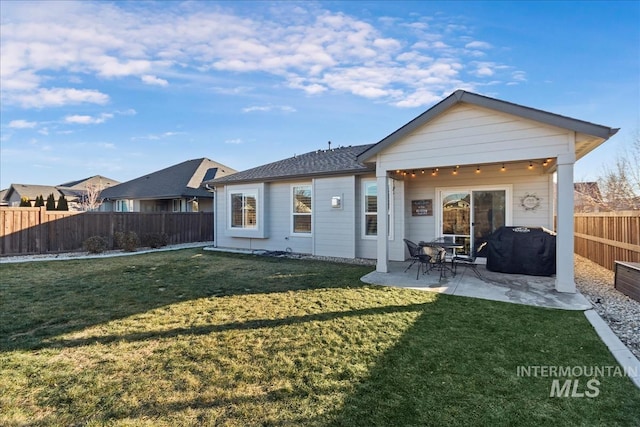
pixel 442 263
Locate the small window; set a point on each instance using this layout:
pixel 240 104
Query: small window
pixel 124 205
pixel 301 209
pixel 243 210
pixel 370 208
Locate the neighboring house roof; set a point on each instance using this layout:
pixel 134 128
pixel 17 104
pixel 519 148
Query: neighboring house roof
pixel 316 163
pixel 71 190
pixel 461 96
pixel 32 191
pixel 181 180
pixel 3 193
pixel 92 180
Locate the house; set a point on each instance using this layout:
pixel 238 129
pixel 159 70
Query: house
pixel 74 192
pixel 462 169
pixel 177 188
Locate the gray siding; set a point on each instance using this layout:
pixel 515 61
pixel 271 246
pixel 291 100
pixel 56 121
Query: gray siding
pixel 334 229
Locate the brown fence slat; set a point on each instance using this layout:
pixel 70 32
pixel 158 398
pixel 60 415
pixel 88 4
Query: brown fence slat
pixel 26 231
pixel 608 237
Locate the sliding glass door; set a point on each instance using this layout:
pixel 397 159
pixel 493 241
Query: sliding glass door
pixel 469 216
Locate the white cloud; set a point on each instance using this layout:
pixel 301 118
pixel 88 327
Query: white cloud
pixel 519 76
pixel 232 90
pixel 22 124
pixel 266 108
pixel 56 97
pixel 484 71
pixel 476 44
pixel 234 141
pixel 307 48
pixel 88 120
pixel 156 136
pixel 153 80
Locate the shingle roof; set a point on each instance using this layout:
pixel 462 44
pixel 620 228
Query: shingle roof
pixel 96 179
pixel 32 191
pixel 181 180
pixel 461 96
pixel 321 162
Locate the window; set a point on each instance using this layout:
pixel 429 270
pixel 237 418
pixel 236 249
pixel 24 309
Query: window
pixel 243 210
pixel 177 205
pixel 245 216
pixel 124 205
pixel 301 209
pixel 370 208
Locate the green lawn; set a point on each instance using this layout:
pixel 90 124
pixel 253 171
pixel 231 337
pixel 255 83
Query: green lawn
pixel 198 338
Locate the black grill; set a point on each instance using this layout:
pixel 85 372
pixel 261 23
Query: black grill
pixel 522 250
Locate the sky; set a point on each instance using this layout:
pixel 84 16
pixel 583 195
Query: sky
pixel 122 89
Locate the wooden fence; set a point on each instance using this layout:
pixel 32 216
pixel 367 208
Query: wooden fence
pixel 36 231
pixel 607 237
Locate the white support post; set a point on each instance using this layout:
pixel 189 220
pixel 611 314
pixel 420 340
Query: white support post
pixel 565 276
pixel 382 264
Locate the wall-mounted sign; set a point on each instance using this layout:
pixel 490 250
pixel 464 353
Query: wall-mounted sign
pixel 422 207
pixel 530 202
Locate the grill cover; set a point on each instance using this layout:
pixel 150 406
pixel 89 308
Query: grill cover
pixel 522 250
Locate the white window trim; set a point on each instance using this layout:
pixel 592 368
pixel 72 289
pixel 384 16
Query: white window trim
pixel 508 211
pixel 258 191
pixel 364 213
pixel 293 214
pixel 245 193
pixel 363 228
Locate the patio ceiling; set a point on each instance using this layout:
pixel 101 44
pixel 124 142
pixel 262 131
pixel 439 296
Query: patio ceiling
pixel 546 165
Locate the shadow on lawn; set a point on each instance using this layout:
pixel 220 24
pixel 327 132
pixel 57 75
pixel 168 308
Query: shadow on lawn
pixel 237 326
pixel 39 301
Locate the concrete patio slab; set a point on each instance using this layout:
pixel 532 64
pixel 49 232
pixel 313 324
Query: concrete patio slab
pixel 515 288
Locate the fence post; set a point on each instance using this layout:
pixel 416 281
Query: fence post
pixel 42 243
pixel 111 229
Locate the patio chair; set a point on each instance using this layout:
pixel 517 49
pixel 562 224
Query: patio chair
pixel 468 260
pixel 437 255
pixel 417 256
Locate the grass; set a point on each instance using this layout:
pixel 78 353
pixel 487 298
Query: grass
pixel 198 338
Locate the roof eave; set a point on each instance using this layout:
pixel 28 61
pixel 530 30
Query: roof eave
pixel 291 177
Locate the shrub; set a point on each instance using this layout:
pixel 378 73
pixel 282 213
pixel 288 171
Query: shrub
pixel 155 240
pixel 128 241
pixel 95 244
pixel 51 203
pixel 39 201
pixel 62 204
pixel 24 202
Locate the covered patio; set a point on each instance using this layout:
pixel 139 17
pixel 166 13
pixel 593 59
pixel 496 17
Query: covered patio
pixel 536 291
pixel 472 164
